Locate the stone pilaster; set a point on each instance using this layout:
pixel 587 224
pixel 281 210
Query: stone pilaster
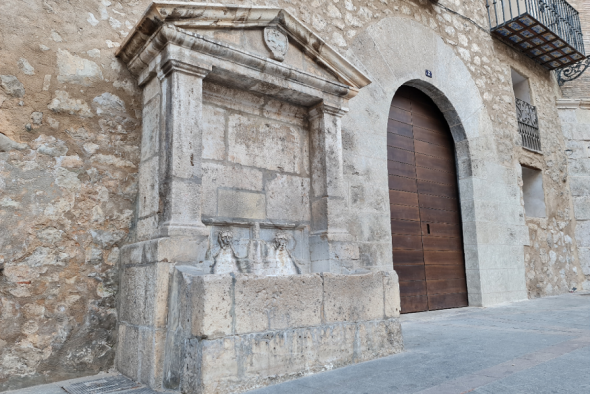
pixel 330 242
pixel 181 150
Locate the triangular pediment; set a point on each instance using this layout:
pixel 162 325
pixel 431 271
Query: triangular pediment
pixel 248 29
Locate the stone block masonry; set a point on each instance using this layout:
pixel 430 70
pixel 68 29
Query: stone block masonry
pixel 231 333
pixel 241 272
pixel 575 119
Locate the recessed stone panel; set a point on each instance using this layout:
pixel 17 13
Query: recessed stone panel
pixel 213 133
pixel 287 198
pixel 223 176
pixel 241 204
pixel 259 142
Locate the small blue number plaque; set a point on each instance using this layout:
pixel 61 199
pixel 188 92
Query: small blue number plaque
pixel 429 73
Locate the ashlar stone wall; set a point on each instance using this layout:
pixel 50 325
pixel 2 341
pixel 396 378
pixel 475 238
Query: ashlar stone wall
pixel 575 119
pixel 70 121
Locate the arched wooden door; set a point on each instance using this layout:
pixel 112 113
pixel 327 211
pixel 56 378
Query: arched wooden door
pixel 424 202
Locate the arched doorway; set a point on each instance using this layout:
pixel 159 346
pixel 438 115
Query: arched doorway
pixel 427 239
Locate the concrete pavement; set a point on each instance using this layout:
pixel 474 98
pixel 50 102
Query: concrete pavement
pixel 536 346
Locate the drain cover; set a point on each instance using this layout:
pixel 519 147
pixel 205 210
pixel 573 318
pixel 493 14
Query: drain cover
pixel 111 384
pixel 143 390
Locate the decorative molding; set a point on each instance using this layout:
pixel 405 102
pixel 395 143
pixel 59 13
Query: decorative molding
pixel 185 68
pixel 323 108
pixel 277 224
pixel 573 103
pixel 216 16
pixel 171 42
pixel 277 42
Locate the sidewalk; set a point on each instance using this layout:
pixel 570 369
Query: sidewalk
pixel 537 346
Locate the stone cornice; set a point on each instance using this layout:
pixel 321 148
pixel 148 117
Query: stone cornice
pixel 215 16
pixel 583 103
pixel 222 55
pixel 323 108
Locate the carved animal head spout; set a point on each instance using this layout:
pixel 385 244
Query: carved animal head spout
pixel 225 237
pixel 281 240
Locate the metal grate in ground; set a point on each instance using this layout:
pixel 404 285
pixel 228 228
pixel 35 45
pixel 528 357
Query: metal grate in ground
pixel 107 385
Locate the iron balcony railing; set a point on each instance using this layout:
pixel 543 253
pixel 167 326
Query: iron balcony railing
pixel 528 125
pixel 548 31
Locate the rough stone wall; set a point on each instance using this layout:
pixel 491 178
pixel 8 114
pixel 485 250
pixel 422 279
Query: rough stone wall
pixel 67 191
pixel 69 175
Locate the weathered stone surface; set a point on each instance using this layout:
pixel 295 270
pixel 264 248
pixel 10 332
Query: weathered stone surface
pixel 6 144
pixel 241 204
pixel 391 295
pixel 62 103
pixel 12 86
pixel 76 70
pixel 219 176
pixel 141 354
pixel 212 300
pixel 243 362
pixel 148 203
pixel 214 136
pixel 277 303
pixel 582 207
pixel 353 297
pixel 25 66
pixel 144 295
pixel 108 104
pixel 260 143
pixel 288 198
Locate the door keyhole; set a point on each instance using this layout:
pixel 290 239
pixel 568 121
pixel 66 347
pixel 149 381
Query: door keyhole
pixel 428 228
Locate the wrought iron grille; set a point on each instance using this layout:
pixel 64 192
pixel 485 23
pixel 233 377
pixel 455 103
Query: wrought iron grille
pixel 548 31
pixel 528 125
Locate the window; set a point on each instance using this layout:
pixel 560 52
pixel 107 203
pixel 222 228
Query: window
pixel 520 84
pixel 528 125
pixel 532 190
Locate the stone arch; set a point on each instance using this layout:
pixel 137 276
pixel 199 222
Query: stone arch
pixel 445 105
pixel 391 63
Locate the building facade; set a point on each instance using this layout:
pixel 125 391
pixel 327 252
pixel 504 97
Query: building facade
pixel 284 172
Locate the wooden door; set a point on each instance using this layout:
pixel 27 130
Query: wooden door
pixel 424 202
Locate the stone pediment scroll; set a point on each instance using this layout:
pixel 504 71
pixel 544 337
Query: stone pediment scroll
pixel 277 42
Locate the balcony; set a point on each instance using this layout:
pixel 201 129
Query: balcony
pixel 547 31
pixel 528 125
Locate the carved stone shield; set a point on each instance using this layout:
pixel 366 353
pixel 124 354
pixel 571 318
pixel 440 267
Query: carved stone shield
pixel 277 42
